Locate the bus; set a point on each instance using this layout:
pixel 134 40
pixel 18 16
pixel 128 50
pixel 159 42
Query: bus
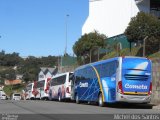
pixel 42 89
pixel 60 86
pixel 120 79
pixel 29 92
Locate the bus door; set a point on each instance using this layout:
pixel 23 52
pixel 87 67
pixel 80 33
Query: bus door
pixel 86 83
pixel 68 84
pixel 72 80
pixel 40 88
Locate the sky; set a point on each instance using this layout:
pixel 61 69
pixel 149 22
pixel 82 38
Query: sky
pixel 38 27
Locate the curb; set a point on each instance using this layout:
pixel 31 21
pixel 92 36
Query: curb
pixel 157 107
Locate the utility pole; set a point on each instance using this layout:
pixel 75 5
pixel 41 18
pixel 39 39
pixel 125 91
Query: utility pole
pixel 144 46
pixel 66 22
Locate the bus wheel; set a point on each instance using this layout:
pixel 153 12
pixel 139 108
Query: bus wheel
pixel 77 99
pixel 59 98
pixel 45 99
pixel 100 100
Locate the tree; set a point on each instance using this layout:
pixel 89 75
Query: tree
pixel 30 67
pixel 9 59
pixel 87 42
pixel 12 64
pixel 142 25
pixel 9 74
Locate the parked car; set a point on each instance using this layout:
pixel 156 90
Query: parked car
pixel 2 95
pixel 16 96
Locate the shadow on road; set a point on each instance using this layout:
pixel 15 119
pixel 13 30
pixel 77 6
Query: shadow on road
pixel 130 106
pixel 126 105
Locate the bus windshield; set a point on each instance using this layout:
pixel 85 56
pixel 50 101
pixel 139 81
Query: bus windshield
pixel 136 64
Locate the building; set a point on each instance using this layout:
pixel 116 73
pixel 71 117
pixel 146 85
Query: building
pixel 19 77
pixel 111 17
pixel 12 82
pixel 46 73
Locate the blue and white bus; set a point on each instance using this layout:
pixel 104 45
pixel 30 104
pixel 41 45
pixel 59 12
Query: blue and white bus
pixel 120 79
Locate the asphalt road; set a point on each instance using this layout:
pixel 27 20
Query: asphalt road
pixel 53 110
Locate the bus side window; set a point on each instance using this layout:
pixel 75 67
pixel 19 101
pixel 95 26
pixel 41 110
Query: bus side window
pixel 98 68
pixel 77 76
pixel 117 64
pixel 105 70
pixel 71 77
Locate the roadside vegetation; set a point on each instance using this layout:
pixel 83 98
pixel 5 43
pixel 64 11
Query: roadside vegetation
pixel 11 65
pixel 13 88
pixel 87 44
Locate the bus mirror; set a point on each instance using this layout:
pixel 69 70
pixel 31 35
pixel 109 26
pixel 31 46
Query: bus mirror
pixel 71 77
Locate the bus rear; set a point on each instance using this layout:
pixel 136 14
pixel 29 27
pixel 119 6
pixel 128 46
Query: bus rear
pixel 135 84
pixel 29 91
pixel 45 91
pixel 39 89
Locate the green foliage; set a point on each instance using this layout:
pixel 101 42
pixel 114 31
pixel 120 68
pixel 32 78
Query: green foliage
pixel 9 59
pixel 87 42
pixel 12 64
pixel 13 88
pixel 143 25
pixel 123 52
pixel 7 73
pixel 155 55
pixel 31 66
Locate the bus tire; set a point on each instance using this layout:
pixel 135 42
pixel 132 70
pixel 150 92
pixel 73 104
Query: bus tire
pixel 77 99
pixel 59 98
pixel 46 99
pixel 100 100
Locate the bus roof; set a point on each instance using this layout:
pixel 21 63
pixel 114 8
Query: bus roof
pixel 57 75
pixel 110 59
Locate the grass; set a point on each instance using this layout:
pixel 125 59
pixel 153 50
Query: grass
pixel 155 55
pixel 126 52
pixel 123 52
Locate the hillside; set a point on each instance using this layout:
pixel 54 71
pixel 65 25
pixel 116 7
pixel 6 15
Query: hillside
pixel 136 51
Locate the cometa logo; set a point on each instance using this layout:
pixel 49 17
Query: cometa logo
pixel 83 84
pixel 135 86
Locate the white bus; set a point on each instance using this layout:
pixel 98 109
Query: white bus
pixel 42 88
pixel 60 86
pixel 29 92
